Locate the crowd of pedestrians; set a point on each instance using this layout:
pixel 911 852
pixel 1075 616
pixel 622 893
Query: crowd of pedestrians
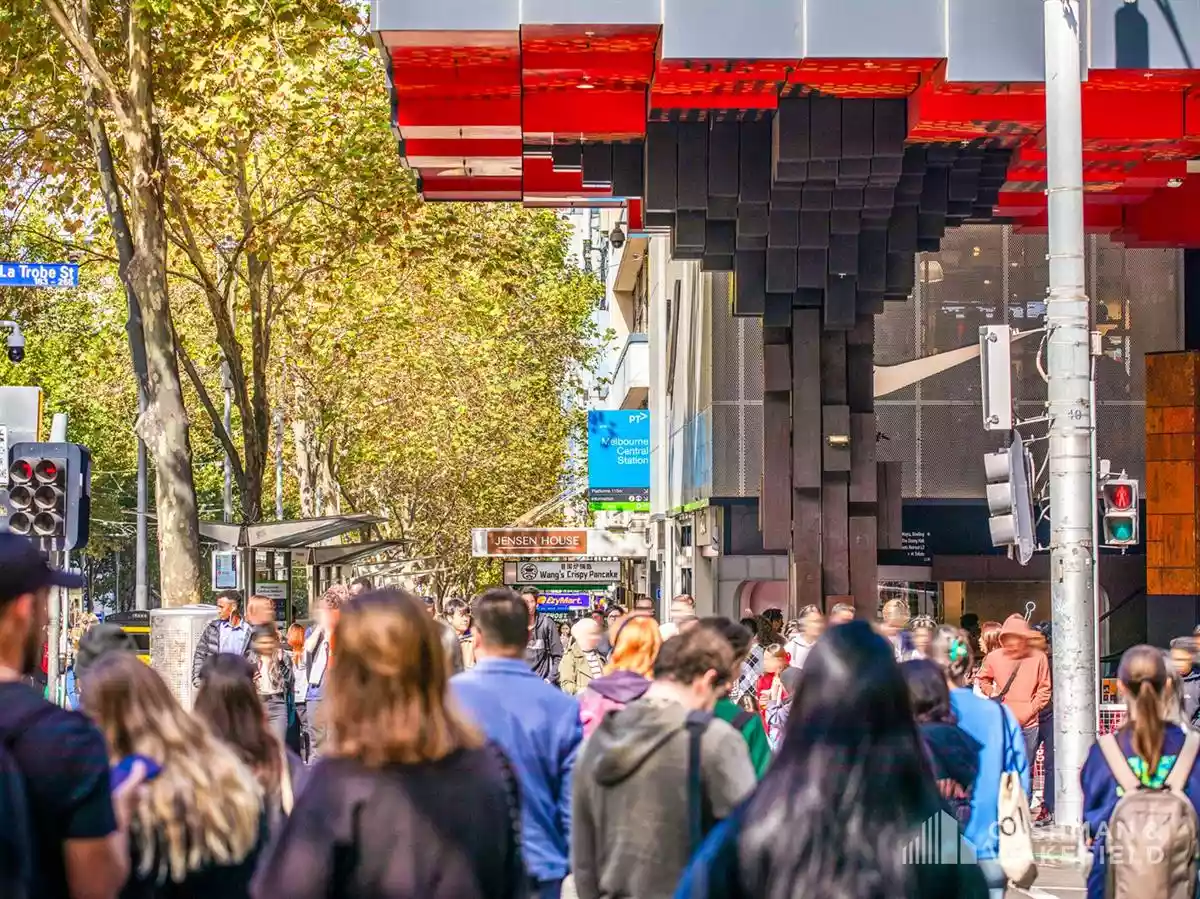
pixel 392 752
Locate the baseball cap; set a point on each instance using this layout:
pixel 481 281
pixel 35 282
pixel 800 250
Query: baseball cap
pixel 24 569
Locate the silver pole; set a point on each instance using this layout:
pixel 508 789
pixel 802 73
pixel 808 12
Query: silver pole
pixel 141 562
pixel 279 465
pixel 1068 366
pixel 54 637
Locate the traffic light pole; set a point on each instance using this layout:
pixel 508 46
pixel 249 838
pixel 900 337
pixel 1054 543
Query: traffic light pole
pixel 1072 500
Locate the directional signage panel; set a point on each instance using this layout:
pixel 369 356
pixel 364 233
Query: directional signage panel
pixel 39 274
pixel 534 571
pixel 619 460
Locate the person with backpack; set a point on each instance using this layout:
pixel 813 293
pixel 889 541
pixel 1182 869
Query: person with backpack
pixel 1001 749
pixel 636 642
pixel 1141 792
pixel 953 753
pixel 631 835
pixel 63 829
pixel 744 721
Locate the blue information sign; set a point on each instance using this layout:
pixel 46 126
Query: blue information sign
pixel 39 274
pixel 554 601
pixel 619 460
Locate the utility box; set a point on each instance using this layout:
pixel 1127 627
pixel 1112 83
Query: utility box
pixel 174 634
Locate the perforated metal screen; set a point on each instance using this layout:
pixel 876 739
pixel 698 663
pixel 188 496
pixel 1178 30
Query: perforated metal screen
pixel 988 274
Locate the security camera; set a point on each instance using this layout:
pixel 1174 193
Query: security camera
pixel 616 237
pixel 15 341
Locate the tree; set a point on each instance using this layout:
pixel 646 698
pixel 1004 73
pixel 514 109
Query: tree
pixel 141 244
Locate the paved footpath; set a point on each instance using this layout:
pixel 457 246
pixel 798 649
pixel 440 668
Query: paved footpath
pixel 1058 875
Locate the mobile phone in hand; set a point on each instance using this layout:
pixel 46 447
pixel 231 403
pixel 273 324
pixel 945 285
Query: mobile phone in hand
pixel 121 771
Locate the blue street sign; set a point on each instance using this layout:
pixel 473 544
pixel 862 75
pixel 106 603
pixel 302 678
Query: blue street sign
pixel 619 460
pixel 39 274
pixel 553 601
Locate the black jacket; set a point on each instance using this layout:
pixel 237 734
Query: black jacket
pixel 209 645
pixel 544 651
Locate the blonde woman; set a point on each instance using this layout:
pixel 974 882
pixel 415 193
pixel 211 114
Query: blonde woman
pixel 408 799
pixel 197 824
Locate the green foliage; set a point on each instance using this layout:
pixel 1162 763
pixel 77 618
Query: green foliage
pixel 430 354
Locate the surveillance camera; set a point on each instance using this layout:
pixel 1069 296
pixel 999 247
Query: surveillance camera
pixel 16 345
pixel 616 237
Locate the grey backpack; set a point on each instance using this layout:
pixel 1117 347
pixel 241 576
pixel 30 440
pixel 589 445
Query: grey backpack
pixel 1151 842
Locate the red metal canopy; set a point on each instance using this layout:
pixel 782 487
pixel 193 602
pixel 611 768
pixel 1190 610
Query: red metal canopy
pixel 478 112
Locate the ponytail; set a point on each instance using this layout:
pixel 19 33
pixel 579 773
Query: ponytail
pixel 1148 725
pixel 1145 680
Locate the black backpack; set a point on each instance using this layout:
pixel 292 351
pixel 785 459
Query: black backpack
pixel 17 857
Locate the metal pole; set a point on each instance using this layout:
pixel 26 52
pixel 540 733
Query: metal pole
pixel 278 465
pixel 1096 604
pixel 53 632
pixel 141 560
pixel 1068 366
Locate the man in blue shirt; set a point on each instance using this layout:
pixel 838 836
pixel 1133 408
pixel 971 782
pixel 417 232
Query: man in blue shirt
pixel 535 724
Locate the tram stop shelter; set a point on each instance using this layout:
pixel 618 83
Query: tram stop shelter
pixel 271 549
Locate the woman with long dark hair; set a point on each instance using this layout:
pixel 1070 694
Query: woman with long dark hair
pixel 848 808
pixel 953 753
pixel 409 800
pixel 229 703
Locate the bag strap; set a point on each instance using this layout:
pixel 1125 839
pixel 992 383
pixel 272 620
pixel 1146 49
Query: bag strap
pixel 1177 780
pixel 999 697
pixel 741 719
pixel 697 723
pixel 1117 763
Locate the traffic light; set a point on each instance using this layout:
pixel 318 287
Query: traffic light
pixel 1119 511
pixel 1010 498
pixel 49 493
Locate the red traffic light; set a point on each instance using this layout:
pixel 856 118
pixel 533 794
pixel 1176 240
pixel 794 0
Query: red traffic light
pixel 46 471
pixel 21 472
pixel 1122 496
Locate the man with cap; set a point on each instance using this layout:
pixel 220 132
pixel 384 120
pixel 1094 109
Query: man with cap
pixel 73 824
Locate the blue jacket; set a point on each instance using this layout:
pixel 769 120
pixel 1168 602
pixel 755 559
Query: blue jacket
pixel 538 728
pixel 986 721
pixel 1100 792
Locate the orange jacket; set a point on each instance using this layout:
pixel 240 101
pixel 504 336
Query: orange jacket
pixel 1030 690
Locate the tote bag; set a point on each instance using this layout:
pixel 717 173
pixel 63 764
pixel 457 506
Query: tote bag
pixel 1015 822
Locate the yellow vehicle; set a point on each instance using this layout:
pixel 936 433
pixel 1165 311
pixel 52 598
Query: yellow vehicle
pixel 136 624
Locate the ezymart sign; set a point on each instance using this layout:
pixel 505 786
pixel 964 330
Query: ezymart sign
pixel 532 571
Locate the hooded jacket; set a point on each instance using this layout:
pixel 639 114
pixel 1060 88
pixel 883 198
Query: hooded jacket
pixel 631 792
pixel 608 694
pixel 1029 692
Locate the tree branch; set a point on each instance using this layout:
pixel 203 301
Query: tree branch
pixel 87 54
pixel 218 424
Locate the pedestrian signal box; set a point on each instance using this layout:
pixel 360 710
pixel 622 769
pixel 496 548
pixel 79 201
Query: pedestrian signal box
pixel 1119 512
pixel 49 493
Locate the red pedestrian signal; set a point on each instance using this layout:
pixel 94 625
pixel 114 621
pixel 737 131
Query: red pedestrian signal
pixel 1122 497
pixel 1119 512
